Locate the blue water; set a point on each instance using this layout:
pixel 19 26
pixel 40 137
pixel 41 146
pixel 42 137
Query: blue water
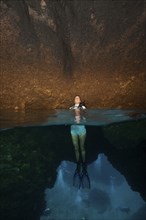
pixel 110 196
pixel 70 203
pixel 95 117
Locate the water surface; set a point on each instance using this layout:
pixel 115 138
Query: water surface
pixel 95 117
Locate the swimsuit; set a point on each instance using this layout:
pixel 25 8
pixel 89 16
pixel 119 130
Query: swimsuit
pixel 77 129
pixel 76 106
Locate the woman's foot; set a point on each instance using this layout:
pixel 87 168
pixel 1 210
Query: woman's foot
pixel 78 167
pixel 84 167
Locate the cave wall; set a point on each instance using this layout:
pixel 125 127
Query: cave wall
pixel 98 45
pixel 98 34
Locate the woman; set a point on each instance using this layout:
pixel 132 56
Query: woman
pixel 78 132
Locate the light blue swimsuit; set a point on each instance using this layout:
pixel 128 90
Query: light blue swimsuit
pixel 77 129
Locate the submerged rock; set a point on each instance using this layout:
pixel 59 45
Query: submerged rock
pixel 98 199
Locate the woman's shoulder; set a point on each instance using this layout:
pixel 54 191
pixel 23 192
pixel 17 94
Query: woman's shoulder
pixel 72 107
pixel 77 107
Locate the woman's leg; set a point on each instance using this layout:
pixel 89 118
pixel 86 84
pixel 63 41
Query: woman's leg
pixel 76 145
pixel 82 138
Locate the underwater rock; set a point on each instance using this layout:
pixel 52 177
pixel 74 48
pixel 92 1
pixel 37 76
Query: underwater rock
pixel 99 200
pixel 124 209
pixel 140 214
pixel 47 212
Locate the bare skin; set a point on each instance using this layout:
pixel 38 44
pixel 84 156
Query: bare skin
pixel 77 99
pixel 79 140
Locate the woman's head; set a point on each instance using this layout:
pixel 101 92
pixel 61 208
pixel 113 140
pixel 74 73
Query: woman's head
pixel 77 99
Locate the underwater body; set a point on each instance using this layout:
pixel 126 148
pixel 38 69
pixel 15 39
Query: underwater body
pixel 38 164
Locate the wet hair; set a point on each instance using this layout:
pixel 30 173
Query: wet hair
pixel 82 103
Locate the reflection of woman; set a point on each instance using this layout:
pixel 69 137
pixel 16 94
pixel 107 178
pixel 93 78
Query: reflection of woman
pixel 78 132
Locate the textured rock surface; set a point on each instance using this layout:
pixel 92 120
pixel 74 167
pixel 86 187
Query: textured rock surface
pixel 52 52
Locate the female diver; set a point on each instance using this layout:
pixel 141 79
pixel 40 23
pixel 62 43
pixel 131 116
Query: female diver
pixel 78 134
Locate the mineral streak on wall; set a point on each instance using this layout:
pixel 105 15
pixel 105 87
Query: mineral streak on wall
pixel 52 50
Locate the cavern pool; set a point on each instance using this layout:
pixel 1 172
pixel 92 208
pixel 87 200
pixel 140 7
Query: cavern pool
pixel 37 164
pixel 94 117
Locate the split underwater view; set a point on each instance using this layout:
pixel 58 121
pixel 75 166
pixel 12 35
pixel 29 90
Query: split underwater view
pixel 72 110
pixel 39 167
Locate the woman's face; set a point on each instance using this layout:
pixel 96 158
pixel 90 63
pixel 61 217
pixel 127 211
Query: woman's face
pixel 77 100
